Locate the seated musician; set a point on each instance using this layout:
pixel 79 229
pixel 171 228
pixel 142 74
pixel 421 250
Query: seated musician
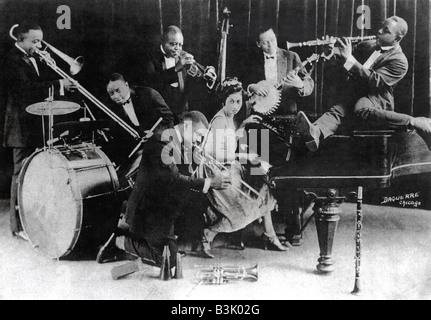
pixel 165 71
pixel 237 206
pixel 266 67
pixel 368 95
pixel 272 64
pixel 25 81
pixel 161 193
pixel 140 108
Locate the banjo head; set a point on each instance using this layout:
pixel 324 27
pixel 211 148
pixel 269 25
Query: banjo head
pixel 268 104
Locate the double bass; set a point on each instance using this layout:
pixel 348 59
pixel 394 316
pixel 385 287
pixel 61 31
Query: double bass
pixel 224 28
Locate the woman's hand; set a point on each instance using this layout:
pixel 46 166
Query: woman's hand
pixel 251 119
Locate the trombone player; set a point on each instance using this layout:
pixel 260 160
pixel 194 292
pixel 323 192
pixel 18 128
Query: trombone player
pixel 25 81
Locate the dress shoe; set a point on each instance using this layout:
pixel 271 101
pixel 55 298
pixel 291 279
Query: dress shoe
pixel 272 243
pixel 422 126
pixel 21 235
pixel 109 252
pixel 309 131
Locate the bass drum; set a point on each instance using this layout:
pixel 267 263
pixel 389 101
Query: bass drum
pixel 67 198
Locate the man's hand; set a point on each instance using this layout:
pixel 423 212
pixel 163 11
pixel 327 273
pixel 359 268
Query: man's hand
pixel 70 85
pixel 220 180
pixel 345 47
pixel 261 89
pixel 293 80
pixel 184 60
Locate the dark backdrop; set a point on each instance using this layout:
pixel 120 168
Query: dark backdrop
pixel 112 34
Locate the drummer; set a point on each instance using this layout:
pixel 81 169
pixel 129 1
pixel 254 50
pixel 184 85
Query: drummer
pixel 140 108
pixel 25 81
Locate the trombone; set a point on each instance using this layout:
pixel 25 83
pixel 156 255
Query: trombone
pixel 212 163
pixel 75 67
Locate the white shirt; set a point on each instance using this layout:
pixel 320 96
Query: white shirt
pixel 369 63
pixel 271 67
pixel 169 63
pixel 130 111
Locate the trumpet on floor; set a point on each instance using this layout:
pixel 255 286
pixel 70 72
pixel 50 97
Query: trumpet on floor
pixel 329 41
pixel 223 275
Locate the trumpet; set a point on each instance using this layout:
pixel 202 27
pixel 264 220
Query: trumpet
pixel 75 67
pixel 223 275
pixel 331 40
pixel 199 71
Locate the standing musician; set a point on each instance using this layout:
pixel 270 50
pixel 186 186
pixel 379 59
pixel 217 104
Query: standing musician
pixel 140 108
pixel 26 81
pixel 161 193
pixel 165 71
pixel 370 95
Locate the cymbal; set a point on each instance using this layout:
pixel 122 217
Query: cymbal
pixel 75 126
pixel 54 108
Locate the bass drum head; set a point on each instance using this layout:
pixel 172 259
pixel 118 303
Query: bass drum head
pixel 50 211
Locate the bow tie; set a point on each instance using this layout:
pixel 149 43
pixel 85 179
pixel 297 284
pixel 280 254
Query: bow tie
pixel 127 102
pixel 270 57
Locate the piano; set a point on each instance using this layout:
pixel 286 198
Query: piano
pixel 369 159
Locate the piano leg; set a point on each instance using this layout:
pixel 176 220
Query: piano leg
pixel 327 212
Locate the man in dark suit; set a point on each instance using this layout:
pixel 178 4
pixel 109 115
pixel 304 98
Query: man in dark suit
pixel 26 81
pixel 165 70
pixel 272 63
pixel 140 108
pixel 161 193
pixel 370 91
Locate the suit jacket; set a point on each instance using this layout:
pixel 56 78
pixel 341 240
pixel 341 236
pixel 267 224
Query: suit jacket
pixel 381 79
pixel 160 192
pixel 149 106
pixel 254 72
pixel 156 76
pixel 24 87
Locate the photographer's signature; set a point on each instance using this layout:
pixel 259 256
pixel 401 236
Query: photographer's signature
pixel 410 200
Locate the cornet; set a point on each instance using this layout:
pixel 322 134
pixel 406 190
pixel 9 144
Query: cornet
pixel 331 40
pixel 199 71
pixel 223 275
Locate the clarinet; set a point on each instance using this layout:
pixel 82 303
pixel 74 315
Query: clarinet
pixel 357 287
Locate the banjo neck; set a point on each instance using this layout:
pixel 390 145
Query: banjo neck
pixel 295 71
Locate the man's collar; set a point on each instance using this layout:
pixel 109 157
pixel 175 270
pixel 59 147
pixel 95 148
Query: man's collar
pixel 21 49
pixel 164 52
pixel 386 49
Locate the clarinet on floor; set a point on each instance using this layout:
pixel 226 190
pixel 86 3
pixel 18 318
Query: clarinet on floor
pixel 357 288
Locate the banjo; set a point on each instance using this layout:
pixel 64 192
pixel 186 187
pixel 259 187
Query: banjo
pixel 268 104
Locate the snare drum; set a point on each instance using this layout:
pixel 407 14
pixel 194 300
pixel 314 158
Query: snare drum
pixel 67 199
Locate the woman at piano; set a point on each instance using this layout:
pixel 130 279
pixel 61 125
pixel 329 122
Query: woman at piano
pixel 243 202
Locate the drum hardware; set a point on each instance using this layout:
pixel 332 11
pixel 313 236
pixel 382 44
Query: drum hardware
pixel 75 67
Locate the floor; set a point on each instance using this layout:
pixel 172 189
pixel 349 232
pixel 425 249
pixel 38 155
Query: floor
pixel 396 264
